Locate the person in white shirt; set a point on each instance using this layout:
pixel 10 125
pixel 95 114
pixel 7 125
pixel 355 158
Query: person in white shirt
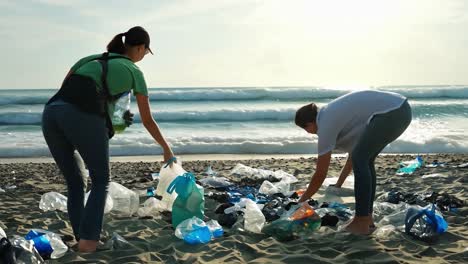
pixel 360 123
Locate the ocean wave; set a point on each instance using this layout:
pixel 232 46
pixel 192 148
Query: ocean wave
pixel 260 93
pixel 237 115
pixel 300 93
pixel 238 145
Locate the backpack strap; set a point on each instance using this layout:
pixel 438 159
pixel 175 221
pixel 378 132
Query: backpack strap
pixel 105 95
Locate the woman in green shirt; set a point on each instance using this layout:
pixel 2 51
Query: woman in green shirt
pixel 77 118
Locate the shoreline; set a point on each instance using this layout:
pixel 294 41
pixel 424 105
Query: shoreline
pixel 205 157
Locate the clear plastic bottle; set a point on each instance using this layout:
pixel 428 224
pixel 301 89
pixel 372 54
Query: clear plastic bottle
pixel 122 104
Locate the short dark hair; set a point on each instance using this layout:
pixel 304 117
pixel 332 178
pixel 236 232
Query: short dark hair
pixel 306 114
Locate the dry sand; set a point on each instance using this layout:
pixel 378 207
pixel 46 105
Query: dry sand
pixel 153 241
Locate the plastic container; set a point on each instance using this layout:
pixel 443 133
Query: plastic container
pixel 124 200
pixel 166 176
pixel 52 201
pixel 121 105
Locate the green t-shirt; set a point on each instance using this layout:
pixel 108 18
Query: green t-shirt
pixel 122 75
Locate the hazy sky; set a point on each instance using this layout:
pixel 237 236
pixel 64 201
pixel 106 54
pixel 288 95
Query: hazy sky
pixel 243 42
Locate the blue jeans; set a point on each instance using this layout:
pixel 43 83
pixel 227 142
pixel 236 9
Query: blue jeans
pixel 76 138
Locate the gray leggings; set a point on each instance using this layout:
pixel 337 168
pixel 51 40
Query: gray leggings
pixel 66 129
pixel 381 130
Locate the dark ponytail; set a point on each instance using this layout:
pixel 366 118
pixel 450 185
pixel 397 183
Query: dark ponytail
pixel 116 45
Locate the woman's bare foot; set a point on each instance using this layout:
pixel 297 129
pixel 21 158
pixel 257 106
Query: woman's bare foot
pixel 359 225
pixel 87 245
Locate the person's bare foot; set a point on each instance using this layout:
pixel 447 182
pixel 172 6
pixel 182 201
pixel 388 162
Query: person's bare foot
pixel 87 245
pixel 359 225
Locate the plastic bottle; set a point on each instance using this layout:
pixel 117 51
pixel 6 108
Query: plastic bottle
pixel 124 200
pixel 53 201
pixel 122 104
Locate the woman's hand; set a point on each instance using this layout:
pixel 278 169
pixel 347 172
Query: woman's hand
pixel 168 155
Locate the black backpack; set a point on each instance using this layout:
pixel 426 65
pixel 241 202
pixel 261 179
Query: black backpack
pixel 82 92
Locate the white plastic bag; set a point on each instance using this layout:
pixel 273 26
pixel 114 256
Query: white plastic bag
pixel 166 176
pixel 254 220
pixel 272 188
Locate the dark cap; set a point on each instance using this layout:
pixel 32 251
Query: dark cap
pixel 137 36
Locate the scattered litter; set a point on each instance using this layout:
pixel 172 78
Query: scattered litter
pixel 124 200
pixel 299 221
pixel 434 175
pixel 150 192
pixel 216 182
pixel 254 220
pixel 425 223
pixel 116 242
pixel 209 172
pixel 245 171
pixel 435 164
pixel 52 201
pixel 196 231
pixel 408 167
pixel 151 207
pixel 155 175
pixel 48 244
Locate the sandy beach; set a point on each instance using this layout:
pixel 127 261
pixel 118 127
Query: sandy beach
pixel 152 240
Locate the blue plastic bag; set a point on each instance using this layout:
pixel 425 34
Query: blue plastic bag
pixel 190 199
pixel 194 231
pixel 425 224
pixel 411 166
pixel 41 243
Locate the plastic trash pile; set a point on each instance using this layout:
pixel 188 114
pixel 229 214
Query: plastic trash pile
pixel 37 246
pixel 444 201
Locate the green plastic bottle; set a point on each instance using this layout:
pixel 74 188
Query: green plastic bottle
pixel 122 104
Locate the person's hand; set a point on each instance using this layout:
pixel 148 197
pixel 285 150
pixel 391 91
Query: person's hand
pixel 169 156
pixel 128 118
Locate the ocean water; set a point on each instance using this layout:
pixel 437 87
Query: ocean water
pixel 241 120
